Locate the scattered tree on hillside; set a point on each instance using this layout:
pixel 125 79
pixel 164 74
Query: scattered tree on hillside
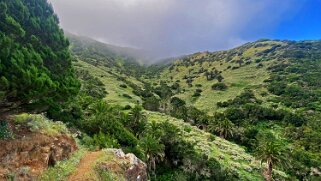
pixel 225 128
pixel 270 150
pixel 153 150
pixel 240 62
pixel 137 120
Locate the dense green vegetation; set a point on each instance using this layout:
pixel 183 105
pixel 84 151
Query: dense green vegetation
pixel 257 116
pixel 206 116
pixel 275 115
pixel 35 64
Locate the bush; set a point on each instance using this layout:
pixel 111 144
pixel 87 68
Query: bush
pixel 100 141
pixel 260 65
pixel 219 86
pixel 5 132
pixel 245 97
pixel 199 90
pixel 175 86
pixel 123 86
pixel 127 107
pixel 39 123
pixel 151 103
pixel 196 94
pixel 127 96
pixel 295 119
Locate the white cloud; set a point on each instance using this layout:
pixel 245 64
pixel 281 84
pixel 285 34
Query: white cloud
pixel 172 27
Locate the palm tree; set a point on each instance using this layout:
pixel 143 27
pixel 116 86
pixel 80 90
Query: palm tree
pixel 100 107
pixel 137 113
pixel 270 150
pixel 153 149
pixel 137 120
pixel 225 128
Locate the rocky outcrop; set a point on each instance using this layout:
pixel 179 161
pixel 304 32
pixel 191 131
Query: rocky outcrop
pixel 27 156
pixel 129 166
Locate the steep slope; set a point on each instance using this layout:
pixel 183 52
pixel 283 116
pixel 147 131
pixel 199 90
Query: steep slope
pixel 112 66
pixel 231 157
pixel 32 145
pixel 259 88
pixel 259 94
pixel 240 68
pixel 117 85
pixel 122 59
pixel 246 67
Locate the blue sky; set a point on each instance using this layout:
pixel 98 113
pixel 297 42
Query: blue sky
pixel 305 24
pixel 165 28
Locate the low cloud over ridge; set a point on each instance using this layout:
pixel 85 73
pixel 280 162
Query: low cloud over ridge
pixel 173 27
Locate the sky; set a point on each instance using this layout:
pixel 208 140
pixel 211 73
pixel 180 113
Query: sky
pixel 167 28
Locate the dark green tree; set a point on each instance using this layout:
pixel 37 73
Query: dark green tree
pixel 35 63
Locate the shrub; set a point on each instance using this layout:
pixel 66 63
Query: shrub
pixel 175 86
pixel 5 132
pixel 100 141
pixel 295 119
pixel 39 123
pixel 127 96
pixel 196 94
pixel 123 86
pixel 127 107
pixel 151 103
pixel 260 65
pixel 219 86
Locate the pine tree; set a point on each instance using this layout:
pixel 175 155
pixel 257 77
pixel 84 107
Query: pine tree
pixel 35 63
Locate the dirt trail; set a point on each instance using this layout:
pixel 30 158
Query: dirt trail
pixel 85 170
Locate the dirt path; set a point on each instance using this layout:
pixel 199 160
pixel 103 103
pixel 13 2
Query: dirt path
pixel 85 168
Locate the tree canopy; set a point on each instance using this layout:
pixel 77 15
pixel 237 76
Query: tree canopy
pixel 35 63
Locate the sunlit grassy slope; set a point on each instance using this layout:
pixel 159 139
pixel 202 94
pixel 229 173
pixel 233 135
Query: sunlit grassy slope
pixel 251 74
pixel 112 83
pixel 232 157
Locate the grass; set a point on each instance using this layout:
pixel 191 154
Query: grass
pixel 107 175
pixel 247 76
pixel 236 80
pixel 112 84
pixel 63 169
pixel 230 156
pixel 39 123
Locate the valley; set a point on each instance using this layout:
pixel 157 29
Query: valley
pixel 73 108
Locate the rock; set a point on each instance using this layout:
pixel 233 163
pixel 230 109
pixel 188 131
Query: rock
pixel 26 157
pixel 119 153
pixel 129 166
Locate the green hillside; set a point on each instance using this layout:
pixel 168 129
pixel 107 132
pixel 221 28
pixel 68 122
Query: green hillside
pixel 117 85
pixel 242 95
pixel 249 113
pixel 230 156
pixel 124 60
pixel 190 73
pixel 261 90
